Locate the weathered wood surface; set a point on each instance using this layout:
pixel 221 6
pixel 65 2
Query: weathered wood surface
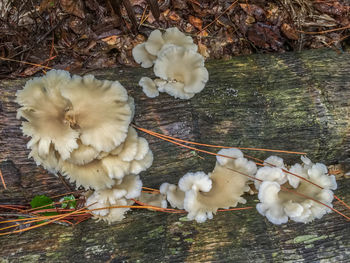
pixel 293 101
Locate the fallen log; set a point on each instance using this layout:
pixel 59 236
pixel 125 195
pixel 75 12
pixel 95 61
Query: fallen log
pixel 292 101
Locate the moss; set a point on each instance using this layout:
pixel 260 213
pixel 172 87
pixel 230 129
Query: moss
pixel 154 233
pixel 306 239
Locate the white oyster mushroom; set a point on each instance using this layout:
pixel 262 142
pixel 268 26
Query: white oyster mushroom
pixel 119 195
pixel 174 195
pixel 173 36
pixel 222 188
pixel 183 70
pixel 142 56
pixel 149 87
pixel 279 205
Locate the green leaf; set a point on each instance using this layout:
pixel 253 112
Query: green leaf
pixel 69 201
pixel 41 201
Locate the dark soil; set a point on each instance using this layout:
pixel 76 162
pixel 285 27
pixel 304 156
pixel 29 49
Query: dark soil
pixel 81 35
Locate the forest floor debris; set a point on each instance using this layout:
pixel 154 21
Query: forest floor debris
pixel 86 35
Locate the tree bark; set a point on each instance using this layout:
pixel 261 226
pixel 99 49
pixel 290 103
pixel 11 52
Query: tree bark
pixel 292 101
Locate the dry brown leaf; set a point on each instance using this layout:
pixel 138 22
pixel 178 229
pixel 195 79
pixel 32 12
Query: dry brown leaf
pixel 203 33
pixel 112 40
pixel 254 10
pixel 203 50
pixel 73 7
pixel 45 5
pixel 150 18
pixel 332 8
pixel 174 16
pixel 179 4
pixel 289 32
pixel 196 22
pixel 250 20
pixel 265 36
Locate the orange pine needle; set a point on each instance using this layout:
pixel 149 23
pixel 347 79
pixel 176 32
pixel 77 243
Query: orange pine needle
pixel 261 164
pixel 43 224
pixel 342 202
pixel 151 189
pixel 24 62
pixel 215 146
pixel 204 28
pixel 10 207
pixel 235 209
pixel 2 180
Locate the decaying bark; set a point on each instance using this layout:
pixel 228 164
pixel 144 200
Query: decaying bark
pixel 294 101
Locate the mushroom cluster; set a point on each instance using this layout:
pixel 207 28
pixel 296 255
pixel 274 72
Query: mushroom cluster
pixel 202 194
pixel 278 206
pixel 177 64
pixel 80 127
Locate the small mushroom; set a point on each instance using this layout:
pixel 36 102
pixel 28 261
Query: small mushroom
pixel 149 87
pixel 183 70
pixel 173 194
pixel 172 36
pixel 142 56
pixel 205 194
pixel 49 161
pixel 83 154
pixel 119 195
pixel 109 215
pixel 278 206
pixel 91 175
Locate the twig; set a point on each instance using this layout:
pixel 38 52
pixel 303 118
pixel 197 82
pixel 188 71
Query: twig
pixel 325 31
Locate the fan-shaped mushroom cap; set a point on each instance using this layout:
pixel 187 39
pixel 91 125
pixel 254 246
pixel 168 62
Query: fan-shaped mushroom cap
pixel 154 42
pixel 49 161
pixel 142 56
pixel 205 194
pixel 108 215
pixel 275 161
pixel 174 195
pixel 83 154
pixel 133 156
pixel 129 187
pixel 149 87
pixel 157 41
pixel 183 70
pixel 174 89
pixel 271 206
pixel 128 149
pixel 100 111
pixel 272 174
pixel 279 205
pixel 43 107
pixel 91 175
